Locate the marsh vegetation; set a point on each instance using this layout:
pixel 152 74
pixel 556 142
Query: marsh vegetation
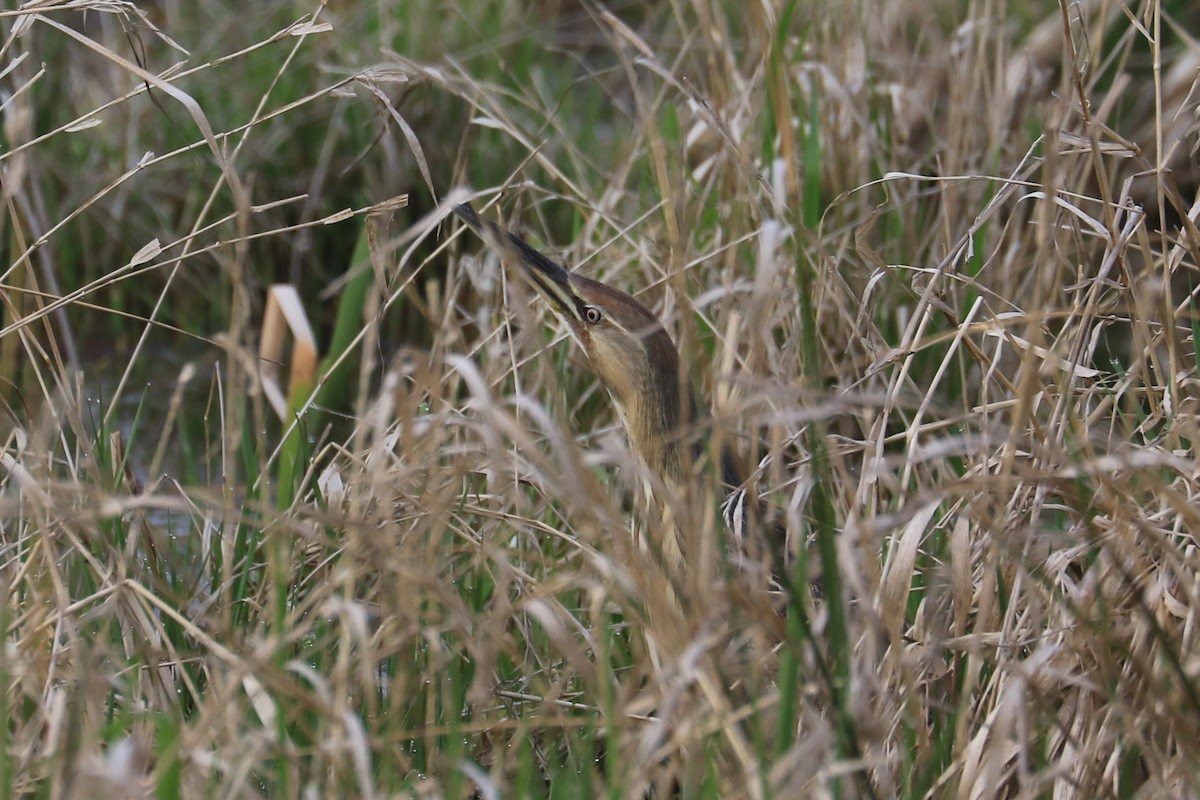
pixel 931 263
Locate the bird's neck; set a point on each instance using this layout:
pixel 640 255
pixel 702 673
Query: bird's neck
pixel 670 432
pixel 660 421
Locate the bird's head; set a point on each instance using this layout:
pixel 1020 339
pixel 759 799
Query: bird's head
pixel 625 344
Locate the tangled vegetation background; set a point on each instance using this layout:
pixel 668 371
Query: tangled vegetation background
pixel 932 263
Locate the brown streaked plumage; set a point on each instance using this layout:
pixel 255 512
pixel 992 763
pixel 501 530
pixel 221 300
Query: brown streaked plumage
pixel 625 344
pixel 634 357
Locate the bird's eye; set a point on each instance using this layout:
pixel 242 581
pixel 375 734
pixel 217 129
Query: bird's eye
pixel 592 314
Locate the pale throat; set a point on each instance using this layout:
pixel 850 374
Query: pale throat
pixel 645 431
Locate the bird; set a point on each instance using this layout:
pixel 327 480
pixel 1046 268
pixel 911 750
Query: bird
pixel 636 360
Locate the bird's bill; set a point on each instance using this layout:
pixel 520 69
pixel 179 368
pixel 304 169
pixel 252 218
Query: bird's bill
pixel 551 280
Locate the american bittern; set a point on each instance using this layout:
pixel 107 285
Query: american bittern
pixel 635 359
